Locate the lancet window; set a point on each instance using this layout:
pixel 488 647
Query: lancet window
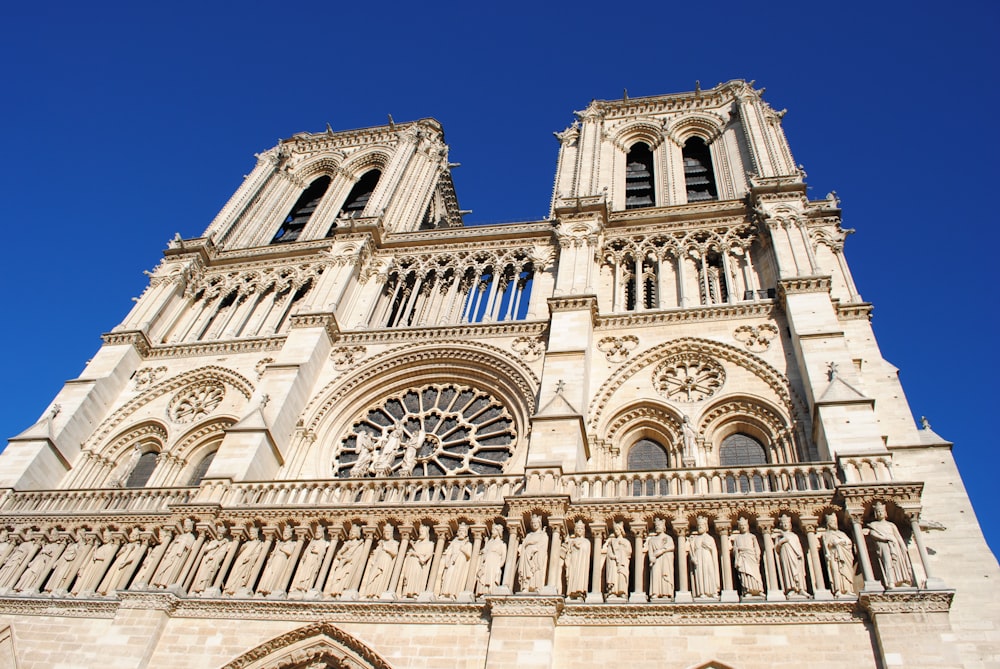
pixel 647 454
pixel 201 469
pixel 699 175
pixel 302 211
pixel 639 177
pixel 242 304
pixel 357 199
pixel 142 470
pixel 487 289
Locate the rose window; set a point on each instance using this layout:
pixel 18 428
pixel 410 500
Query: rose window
pixel 196 402
pixel 688 378
pixel 438 430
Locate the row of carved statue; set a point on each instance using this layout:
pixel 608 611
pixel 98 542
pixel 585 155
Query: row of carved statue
pixel 314 561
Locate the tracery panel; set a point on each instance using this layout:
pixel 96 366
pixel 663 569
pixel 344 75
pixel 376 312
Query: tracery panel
pixel 436 430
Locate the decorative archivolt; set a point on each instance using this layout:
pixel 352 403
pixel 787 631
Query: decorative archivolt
pixel 317 645
pixel 209 374
pixel 750 415
pixel 664 245
pixel 369 158
pixel 149 431
pixel 641 130
pixel 774 379
pixel 191 442
pixel 647 414
pixel 488 368
pixel 705 124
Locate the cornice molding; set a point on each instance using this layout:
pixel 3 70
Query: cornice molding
pixel 720 312
pixel 422 334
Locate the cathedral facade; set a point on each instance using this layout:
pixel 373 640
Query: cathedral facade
pixel 343 429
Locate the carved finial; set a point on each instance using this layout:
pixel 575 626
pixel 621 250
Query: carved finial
pixel 560 387
pixel 329 130
pixel 624 94
pixel 924 423
pixel 697 87
pixel 56 408
pixel 264 399
pixel 392 124
pixel 831 370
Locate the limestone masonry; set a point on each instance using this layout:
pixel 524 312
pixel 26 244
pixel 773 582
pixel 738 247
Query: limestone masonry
pixel 341 429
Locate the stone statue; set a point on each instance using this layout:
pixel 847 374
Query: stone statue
pixel 616 554
pixel 310 563
pixel 349 559
pixel 11 568
pixel 153 557
pixel 746 559
pixel 690 439
pixel 33 577
pixel 410 450
pixel 417 564
pixel 120 573
pixel 212 556
pixel 379 572
pixel 660 553
pixel 455 564
pixel 838 549
pixel 6 544
pixel 97 564
pixel 532 557
pixel 890 548
pixel 789 557
pixel 575 553
pixel 385 454
pixel 170 571
pixel 274 580
pixel 704 559
pixel 490 571
pixel 127 468
pixel 365 446
pixel 64 569
pixel 241 577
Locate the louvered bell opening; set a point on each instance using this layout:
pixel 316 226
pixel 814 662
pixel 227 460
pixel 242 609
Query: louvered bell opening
pixel 639 177
pixel 358 198
pixel 699 178
pixel 303 210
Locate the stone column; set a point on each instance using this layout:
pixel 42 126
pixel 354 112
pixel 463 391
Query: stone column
pixel 774 591
pixel 729 593
pixel 440 534
pixel 638 595
pixel 597 533
pixel 552 586
pixel 514 529
pixel 815 563
pixel 477 546
pixel 932 582
pixel 871 584
pixel 404 533
pixel 682 595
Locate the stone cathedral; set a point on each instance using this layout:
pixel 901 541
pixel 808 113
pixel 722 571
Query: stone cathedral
pixel 343 429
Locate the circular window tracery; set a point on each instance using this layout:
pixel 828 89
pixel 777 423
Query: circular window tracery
pixel 437 430
pixel 688 378
pixel 196 401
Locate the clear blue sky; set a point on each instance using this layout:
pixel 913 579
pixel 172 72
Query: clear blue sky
pixel 128 122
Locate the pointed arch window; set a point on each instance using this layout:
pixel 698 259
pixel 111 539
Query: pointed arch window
pixel 741 450
pixel 302 211
pixel 699 176
pixel 358 198
pixel 647 454
pixel 143 470
pixel 639 191
pixel 199 472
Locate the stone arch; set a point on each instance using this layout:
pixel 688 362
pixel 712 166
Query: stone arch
pixel 331 414
pixel 208 373
pixel 752 416
pixel 648 419
pixel 370 158
pixel 775 380
pixel 639 130
pixel 309 170
pixel 193 446
pixel 702 124
pixel 310 646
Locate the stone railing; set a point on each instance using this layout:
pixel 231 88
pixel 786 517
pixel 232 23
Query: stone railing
pixel 95 500
pixel 362 492
pixel 802 477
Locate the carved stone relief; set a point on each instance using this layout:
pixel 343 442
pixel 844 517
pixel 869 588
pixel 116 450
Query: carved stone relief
pixel 756 338
pixel 196 401
pixel 688 377
pixel 617 349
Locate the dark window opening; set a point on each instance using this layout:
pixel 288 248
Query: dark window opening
pixel 300 214
pixel 143 470
pixel 649 283
pixel 357 199
pixel 647 454
pixel 699 177
pixel 741 450
pixel 202 469
pixel 628 275
pixel 639 177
